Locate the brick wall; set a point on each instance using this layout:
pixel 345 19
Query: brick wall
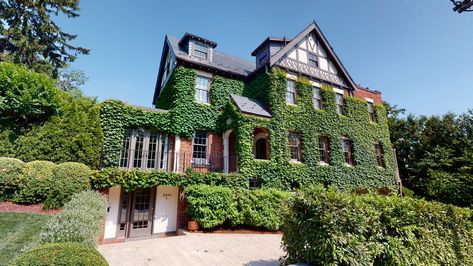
pixel 363 93
pixel 214 153
pixel 182 216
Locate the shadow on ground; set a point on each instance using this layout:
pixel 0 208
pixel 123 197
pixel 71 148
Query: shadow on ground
pixel 263 263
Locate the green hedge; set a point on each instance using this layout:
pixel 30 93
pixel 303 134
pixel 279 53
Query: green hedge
pixel 61 254
pixel 79 222
pixel 212 206
pixel 12 177
pixel 38 182
pixel 327 227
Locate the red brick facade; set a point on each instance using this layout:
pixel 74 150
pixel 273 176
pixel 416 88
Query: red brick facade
pixel 363 93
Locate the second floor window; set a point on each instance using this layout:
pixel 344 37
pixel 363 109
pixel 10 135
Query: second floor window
pixel 378 149
pixel 340 104
pixel 201 51
pixel 144 149
pixel 291 92
pixel 199 147
pixel 202 89
pixel 372 113
pixel 324 150
pixel 317 98
pixel 294 146
pixel 347 148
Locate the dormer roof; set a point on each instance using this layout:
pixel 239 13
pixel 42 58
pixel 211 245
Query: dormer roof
pixel 187 36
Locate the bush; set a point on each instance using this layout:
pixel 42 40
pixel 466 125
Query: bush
pixel 212 206
pixel 79 222
pixel 11 177
pixel 38 176
pixel 61 254
pixel 68 179
pixel 327 227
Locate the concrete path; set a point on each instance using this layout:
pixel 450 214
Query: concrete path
pixel 197 249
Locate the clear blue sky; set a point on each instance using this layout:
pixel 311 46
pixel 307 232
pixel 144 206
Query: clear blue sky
pixel 419 54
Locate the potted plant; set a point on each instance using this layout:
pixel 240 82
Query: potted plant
pixel 192 225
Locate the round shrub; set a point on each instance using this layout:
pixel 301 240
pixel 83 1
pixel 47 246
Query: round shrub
pixel 61 254
pixel 38 175
pixel 68 178
pixel 12 177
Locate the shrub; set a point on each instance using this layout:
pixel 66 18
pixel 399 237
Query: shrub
pixel 68 178
pixel 327 227
pixel 79 222
pixel 38 176
pixel 11 177
pixel 61 254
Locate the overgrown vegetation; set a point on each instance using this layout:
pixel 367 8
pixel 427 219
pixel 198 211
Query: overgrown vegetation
pixel 80 221
pixel 213 206
pixel 327 227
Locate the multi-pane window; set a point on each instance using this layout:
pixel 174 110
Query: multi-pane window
pixel 340 104
pixel 291 92
pixel 378 149
pixel 294 146
pixel 324 150
pixel 312 60
pixel 201 50
pixel 372 112
pixel 347 148
pixel 144 149
pixel 202 89
pixel 316 98
pixel 199 150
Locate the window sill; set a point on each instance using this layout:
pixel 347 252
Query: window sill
pixel 291 104
pixel 260 160
pixel 202 103
pixel 295 162
pixel 323 164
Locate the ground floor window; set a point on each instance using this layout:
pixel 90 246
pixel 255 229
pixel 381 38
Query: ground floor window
pixel 199 147
pixel 295 148
pixel 324 150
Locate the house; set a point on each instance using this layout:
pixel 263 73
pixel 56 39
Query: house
pixel 294 116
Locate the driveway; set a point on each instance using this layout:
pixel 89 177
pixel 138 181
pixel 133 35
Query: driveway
pixel 197 249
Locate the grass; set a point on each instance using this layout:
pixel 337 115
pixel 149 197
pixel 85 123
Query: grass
pixel 18 231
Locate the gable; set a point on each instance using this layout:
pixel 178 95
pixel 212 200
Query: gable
pixel 299 54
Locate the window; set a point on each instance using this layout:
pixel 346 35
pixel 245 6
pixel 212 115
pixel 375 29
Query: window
pixel 262 58
pixel 379 154
pixel 340 104
pixel 199 149
pixel 260 144
pixel 347 148
pixel 313 60
pixel 255 183
pixel 317 99
pixel 372 113
pixel 201 51
pixel 294 146
pixel 144 149
pixel 324 150
pixel 291 92
pixel 202 89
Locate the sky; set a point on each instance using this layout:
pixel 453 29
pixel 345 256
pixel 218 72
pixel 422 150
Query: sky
pixel 417 53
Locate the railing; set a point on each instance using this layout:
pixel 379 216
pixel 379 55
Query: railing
pixel 174 161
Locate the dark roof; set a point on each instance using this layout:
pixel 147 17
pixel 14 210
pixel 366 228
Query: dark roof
pixel 250 106
pixel 220 61
pixel 270 39
pixel 195 37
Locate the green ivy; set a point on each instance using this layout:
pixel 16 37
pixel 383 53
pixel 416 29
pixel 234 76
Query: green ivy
pixel 184 115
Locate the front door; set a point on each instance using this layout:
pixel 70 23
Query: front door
pixel 136 213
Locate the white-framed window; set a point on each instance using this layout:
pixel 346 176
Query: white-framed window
pixel 201 50
pixel 200 147
pixel 372 112
pixel 324 151
pixel 317 98
pixel 144 149
pixel 295 148
pixel 347 148
pixel 291 92
pixel 312 60
pixel 202 89
pixel 340 103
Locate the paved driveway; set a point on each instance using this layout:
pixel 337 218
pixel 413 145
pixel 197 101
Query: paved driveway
pixel 197 249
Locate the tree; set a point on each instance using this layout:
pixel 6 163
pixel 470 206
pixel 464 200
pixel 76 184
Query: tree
pixel 29 36
pixel 71 80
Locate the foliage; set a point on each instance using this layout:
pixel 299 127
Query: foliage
pixel 12 177
pixel 71 80
pixel 212 206
pixel 327 227
pixel 29 35
pixel 18 232
pixel 185 115
pixel 38 182
pixel 26 97
pixel 61 254
pixel 79 222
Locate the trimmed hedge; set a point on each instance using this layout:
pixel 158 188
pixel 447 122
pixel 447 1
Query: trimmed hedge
pixel 327 227
pixel 12 177
pixel 61 254
pixel 212 206
pixel 38 177
pixel 79 222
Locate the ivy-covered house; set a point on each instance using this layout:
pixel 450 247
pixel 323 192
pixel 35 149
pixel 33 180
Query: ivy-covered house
pixel 290 118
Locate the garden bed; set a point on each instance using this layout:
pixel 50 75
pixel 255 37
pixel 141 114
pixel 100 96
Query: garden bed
pixel 8 206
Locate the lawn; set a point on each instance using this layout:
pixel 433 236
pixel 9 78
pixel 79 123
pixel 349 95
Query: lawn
pixel 17 232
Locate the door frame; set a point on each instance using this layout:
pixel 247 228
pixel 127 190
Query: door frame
pixel 129 213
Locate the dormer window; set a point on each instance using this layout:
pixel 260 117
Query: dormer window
pixel 201 51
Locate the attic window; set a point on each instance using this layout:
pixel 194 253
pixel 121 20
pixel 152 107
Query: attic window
pixel 201 51
pixel 313 60
pixel 262 58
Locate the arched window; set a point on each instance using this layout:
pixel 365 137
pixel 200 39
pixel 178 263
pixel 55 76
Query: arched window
pixel 260 144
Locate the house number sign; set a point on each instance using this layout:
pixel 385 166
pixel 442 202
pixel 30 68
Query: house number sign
pixel 167 195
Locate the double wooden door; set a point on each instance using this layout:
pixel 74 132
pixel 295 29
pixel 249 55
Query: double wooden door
pixel 136 213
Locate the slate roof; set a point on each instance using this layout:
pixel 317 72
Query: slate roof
pixel 220 61
pixel 250 106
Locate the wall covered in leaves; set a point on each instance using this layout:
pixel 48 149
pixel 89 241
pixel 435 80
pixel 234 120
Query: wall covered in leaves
pixel 184 115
